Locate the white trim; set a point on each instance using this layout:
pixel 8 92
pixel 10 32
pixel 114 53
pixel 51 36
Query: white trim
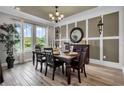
pixel 46 36
pixel 19 15
pixel 93 38
pixel 112 37
pixel 106 63
pixel 67 33
pixel 121 38
pixel 75 24
pixel 95 12
pixel 86 36
pixel 34 36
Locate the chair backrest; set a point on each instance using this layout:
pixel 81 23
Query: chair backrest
pixel 80 50
pixel 67 46
pixel 37 48
pixel 39 56
pixel 49 55
pixel 82 57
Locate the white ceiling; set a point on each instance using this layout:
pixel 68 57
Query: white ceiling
pixel 43 11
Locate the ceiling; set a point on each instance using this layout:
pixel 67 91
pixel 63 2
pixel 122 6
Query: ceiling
pixel 43 11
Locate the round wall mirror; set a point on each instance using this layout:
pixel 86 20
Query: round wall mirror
pixel 76 35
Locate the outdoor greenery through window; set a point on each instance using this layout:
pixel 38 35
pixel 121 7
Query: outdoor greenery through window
pixel 27 36
pixel 40 36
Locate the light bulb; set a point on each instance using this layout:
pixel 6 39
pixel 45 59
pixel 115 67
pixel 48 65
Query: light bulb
pixel 59 18
pixel 52 18
pixel 50 15
pixel 62 16
pixel 57 13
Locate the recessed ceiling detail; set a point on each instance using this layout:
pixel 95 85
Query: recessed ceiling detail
pixel 43 11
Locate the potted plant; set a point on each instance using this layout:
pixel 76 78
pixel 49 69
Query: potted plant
pixel 9 37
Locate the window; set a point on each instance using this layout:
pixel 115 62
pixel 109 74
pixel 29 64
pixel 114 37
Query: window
pixel 18 45
pixel 40 36
pixel 27 36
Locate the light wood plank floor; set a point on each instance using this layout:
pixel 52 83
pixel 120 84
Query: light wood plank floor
pixel 26 75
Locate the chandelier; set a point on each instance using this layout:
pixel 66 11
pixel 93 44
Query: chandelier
pixel 57 16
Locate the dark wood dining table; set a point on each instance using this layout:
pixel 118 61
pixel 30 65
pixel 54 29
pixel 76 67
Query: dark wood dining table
pixel 65 57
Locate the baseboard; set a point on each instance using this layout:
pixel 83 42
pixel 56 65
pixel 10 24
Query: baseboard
pixel 106 63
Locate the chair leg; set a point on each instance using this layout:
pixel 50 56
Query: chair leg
pixel 41 67
pixel 66 70
pixel 36 65
pixel 54 69
pixel 79 78
pixel 46 70
pixel 63 68
pixel 84 70
pixel 73 70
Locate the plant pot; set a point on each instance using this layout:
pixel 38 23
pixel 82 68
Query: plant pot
pixel 10 62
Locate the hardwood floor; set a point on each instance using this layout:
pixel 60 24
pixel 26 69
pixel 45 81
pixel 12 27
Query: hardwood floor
pixel 26 75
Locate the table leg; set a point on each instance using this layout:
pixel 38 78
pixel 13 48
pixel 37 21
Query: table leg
pixel 33 58
pixel 68 73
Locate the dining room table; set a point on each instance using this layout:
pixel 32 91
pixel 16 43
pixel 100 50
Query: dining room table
pixel 67 58
pixel 64 56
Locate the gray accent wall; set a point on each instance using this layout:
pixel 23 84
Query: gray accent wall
pixel 111 50
pixel 82 25
pixel 70 27
pixel 94 49
pixel 111 24
pixel 92 27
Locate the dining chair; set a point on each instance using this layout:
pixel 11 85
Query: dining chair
pixel 79 50
pixel 52 62
pixel 79 64
pixel 40 58
pixel 37 48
